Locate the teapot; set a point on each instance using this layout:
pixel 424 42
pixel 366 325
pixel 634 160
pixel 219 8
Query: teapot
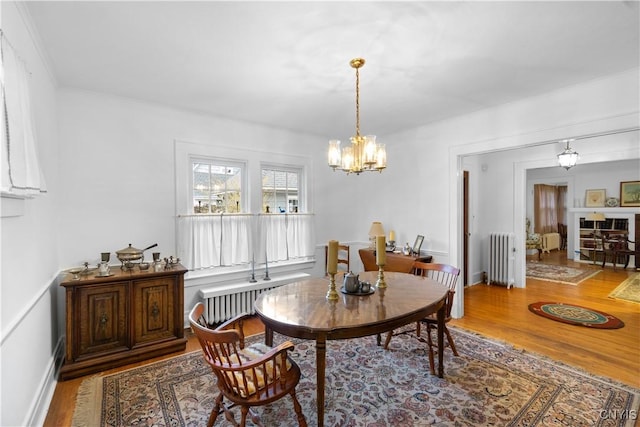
pixel 351 282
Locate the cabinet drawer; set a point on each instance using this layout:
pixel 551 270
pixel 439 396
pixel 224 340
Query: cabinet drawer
pixel 153 311
pixel 103 319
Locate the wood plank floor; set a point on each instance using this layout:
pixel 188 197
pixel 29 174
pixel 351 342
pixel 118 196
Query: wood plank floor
pixel 502 314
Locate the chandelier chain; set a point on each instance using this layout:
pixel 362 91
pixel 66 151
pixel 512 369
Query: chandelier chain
pixel 357 101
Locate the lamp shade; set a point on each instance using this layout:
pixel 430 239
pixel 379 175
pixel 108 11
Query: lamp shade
pixel 595 216
pixel 568 158
pixel 376 229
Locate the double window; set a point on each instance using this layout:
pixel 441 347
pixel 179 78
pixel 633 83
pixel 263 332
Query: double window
pixel 220 225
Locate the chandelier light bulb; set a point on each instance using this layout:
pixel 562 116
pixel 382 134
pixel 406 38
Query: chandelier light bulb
pixel 568 158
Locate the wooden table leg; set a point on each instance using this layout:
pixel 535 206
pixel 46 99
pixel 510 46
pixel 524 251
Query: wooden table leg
pixel 441 315
pixel 268 336
pixel 321 352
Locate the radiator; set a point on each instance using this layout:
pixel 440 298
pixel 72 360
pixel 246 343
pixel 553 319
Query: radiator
pixel 224 302
pixel 550 241
pixel 501 259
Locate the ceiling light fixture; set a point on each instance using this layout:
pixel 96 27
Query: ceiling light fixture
pixel 568 158
pixel 364 154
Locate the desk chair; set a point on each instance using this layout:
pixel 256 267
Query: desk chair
pixel 246 376
pixel 448 276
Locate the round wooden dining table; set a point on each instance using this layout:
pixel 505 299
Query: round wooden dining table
pixel 302 310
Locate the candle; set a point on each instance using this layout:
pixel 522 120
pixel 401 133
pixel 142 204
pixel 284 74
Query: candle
pixel 332 257
pixel 392 236
pixel 381 254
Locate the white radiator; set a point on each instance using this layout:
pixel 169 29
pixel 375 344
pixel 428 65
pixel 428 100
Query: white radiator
pixel 224 302
pixel 501 259
pixel 550 241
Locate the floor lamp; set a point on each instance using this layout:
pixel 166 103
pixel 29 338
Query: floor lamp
pixel 596 217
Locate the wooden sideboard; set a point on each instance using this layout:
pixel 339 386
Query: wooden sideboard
pixel 395 262
pixel 129 316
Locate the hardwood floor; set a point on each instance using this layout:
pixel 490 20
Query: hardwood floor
pixel 499 313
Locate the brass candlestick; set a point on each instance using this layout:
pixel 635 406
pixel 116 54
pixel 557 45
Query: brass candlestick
pixel 381 283
pixel 332 294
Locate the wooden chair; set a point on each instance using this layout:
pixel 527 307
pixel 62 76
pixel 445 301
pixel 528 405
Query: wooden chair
pixel 343 258
pixel 615 247
pixel 448 276
pixel 246 376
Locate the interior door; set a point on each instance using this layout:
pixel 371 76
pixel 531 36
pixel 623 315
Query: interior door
pixel 465 226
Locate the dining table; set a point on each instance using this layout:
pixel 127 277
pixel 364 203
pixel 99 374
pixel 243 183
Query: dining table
pixel 302 309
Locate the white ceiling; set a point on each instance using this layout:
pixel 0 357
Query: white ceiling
pixel 286 64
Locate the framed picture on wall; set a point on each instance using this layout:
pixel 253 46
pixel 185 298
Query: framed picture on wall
pixel 594 198
pixel 630 193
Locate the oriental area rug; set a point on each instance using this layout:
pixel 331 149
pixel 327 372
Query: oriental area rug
pixel 576 315
pixel 559 273
pixel 628 290
pixel 490 383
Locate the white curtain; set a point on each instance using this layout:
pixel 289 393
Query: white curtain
pixel 206 241
pixel 21 173
pixel 236 239
pixel 199 241
pixel 272 238
pixel 300 236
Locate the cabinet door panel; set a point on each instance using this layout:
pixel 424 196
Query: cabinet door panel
pixel 154 309
pixel 103 318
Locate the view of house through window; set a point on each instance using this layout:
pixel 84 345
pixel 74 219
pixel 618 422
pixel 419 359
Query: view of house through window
pixel 280 190
pixel 217 187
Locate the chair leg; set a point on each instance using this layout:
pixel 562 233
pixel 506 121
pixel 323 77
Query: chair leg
pixel 244 411
pixel 430 345
pixel 387 340
pixel 450 339
pixel 418 328
pixel 302 422
pixel 215 411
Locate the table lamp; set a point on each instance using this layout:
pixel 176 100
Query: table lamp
pixel 375 230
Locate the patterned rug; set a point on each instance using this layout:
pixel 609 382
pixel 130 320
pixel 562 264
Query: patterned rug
pixel 628 290
pixel 489 384
pixel 576 315
pixel 559 273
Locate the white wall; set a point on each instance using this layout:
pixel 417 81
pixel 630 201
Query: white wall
pixel 29 260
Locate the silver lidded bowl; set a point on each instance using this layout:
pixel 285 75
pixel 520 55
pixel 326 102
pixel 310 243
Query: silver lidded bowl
pixel 130 254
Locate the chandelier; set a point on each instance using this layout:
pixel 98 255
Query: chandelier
pixel 364 154
pixel 568 158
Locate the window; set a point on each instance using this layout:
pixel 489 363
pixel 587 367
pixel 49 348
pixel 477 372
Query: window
pixel 280 190
pixel 222 193
pixel 217 186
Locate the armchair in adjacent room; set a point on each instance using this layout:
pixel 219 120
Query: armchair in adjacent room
pixel 534 240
